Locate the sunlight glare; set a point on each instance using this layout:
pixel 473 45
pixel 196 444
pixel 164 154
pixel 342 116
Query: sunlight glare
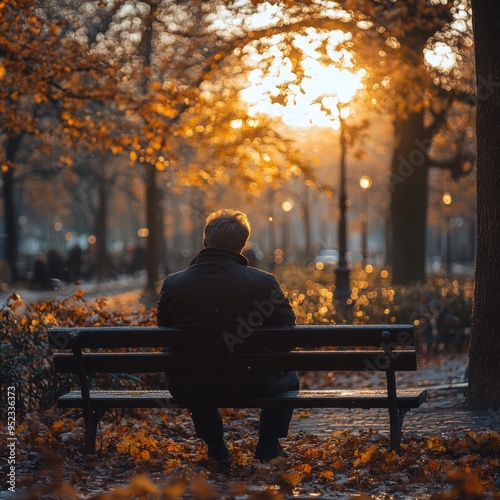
pixel 441 57
pixel 266 15
pixel 322 86
pixel 327 84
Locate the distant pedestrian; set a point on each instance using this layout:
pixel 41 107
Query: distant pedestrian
pixel 74 264
pixel 138 258
pixel 55 265
pixel 40 272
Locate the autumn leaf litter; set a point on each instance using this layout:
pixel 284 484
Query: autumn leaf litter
pixel 154 454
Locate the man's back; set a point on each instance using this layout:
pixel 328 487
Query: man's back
pixel 219 291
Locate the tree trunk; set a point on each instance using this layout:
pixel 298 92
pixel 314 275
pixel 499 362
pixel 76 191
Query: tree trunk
pixel 10 219
pixel 102 258
pixel 152 191
pixel 484 368
pixel 162 245
pixel 153 240
pixel 307 231
pixel 408 207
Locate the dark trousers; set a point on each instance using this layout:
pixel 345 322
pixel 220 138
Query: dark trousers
pixel 274 422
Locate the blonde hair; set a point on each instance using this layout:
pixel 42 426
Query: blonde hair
pixel 227 229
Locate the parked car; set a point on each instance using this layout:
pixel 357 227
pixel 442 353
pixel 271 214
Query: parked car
pixel 328 257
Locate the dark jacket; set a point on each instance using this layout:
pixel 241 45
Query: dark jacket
pixel 219 292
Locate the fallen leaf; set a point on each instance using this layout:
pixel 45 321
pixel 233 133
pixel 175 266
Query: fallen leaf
pixel 327 474
pixel 292 478
pixel 303 468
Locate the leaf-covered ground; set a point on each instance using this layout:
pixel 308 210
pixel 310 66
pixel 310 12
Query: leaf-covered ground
pixel 154 454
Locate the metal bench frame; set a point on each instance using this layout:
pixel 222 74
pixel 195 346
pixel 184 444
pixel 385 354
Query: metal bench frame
pixel 119 350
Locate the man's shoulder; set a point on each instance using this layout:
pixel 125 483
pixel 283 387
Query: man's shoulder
pixel 193 271
pixel 260 273
pixel 174 277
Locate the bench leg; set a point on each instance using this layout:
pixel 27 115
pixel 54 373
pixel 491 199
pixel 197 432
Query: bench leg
pixel 396 424
pixel 402 413
pixel 394 428
pixel 91 423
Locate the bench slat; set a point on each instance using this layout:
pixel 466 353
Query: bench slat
pixel 215 363
pixel 341 398
pixel 275 338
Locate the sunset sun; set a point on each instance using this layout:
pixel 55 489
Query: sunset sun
pixel 315 100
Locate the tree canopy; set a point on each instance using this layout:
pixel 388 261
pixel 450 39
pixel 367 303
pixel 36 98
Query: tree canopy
pixel 148 80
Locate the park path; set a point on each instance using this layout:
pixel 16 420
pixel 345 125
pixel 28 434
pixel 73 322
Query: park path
pixel 129 287
pixel 443 413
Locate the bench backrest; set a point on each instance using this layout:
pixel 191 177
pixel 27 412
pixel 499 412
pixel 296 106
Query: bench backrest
pixel 336 347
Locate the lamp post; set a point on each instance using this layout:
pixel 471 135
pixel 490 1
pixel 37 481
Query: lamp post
pixel 286 206
pixel 339 101
pixel 271 229
pixel 342 288
pixel 365 183
pixel 448 200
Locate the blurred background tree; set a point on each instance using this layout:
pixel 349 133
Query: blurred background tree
pixel 423 70
pixel 48 78
pixel 416 56
pixel 170 52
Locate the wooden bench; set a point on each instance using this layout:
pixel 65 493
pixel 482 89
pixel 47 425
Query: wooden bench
pixel 120 350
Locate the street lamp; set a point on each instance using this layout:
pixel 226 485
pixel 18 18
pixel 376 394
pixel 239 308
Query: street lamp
pixel 286 206
pixel 342 288
pixel 271 232
pixel 448 200
pixel 339 101
pixel 365 183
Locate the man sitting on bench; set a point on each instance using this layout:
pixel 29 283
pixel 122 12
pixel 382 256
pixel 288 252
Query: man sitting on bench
pixel 220 293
